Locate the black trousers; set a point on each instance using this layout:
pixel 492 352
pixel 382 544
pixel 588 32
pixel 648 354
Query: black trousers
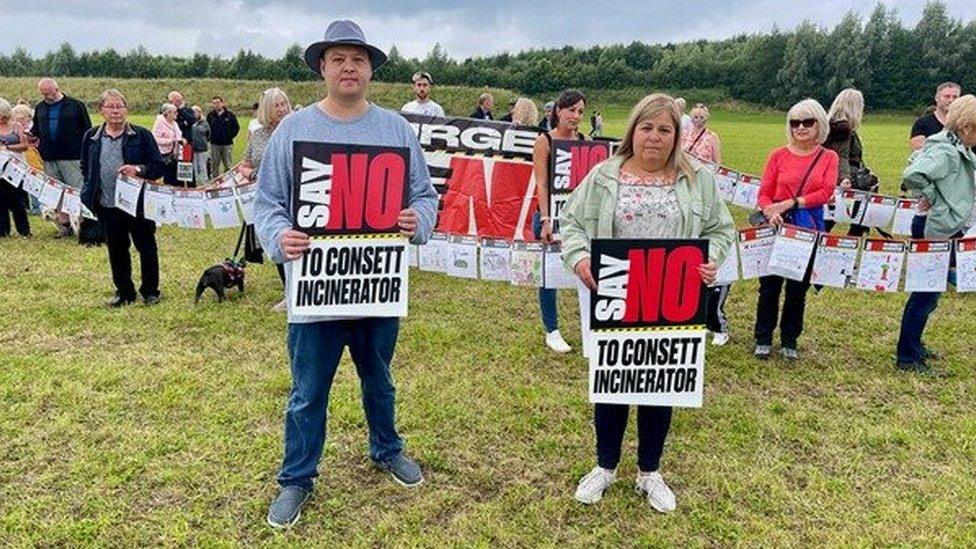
pixel 119 227
pixel 715 320
pixel 13 202
pixel 767 309
pixel 610 423
pixel 169 174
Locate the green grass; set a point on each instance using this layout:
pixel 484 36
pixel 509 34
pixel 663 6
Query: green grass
pixel 163 426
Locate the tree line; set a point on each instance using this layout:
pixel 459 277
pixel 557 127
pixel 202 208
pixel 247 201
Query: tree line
pixel 897 67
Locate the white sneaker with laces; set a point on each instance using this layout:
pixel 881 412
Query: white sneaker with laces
pixel 720 338
pixel 653 487
pixel 555 341
pixel 591 487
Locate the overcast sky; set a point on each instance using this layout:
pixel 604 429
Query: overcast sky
pixel 463 28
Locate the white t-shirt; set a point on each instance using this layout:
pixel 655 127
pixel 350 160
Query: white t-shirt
pixel 429 108
pixel 253 125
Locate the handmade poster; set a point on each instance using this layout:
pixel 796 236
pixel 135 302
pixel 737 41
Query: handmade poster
pixel 881 265
pixel 184 172
pixel 32 182
pixel 879 210
pixel 127 191
pixel 71 202
pixel 245 198
pixel 527 264
pixel 157 204
pixel 188 205
pixel 646 322
pixel 413 255
pixel 434 254
pixel 904 214
pixel 746 191
pixel 222 208
pixel 755 246
pixel 791 252
pixel 850 206
pixel 51 193
pixel 496 259
pixel 570 161
pixel 725 183
pixel 966 265
pixel 927 266
pixel 555 274
pixel 348 199
pixel 15 171
pixel 833 264
pixel 728 271
pixel 231 178
pixel 463 261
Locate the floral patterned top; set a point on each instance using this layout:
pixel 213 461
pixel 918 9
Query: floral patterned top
pixel 646 208
pixel 702 146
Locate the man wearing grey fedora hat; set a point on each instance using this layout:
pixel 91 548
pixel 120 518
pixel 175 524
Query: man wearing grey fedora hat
pixel 346 62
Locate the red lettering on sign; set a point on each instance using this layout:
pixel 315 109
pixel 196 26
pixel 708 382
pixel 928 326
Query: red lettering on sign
pixel 644 285
pixel 584 157
pixel 366 193
pixel 384 191
pixel 497 217
pixel 660 285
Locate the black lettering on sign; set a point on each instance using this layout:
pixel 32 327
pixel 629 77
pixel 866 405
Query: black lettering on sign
pixel 348 189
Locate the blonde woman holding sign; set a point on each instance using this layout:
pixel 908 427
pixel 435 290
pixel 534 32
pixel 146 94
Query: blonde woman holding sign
pixel 648 189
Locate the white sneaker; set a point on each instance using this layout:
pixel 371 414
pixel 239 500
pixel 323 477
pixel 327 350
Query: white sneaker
pixel 591 487
pixel 281 306
pixel 555 341
pixel 652 486
pixel 720 338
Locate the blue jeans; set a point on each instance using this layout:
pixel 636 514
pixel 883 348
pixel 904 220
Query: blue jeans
pixel 918 308
pixel 315 350
pixel 547 296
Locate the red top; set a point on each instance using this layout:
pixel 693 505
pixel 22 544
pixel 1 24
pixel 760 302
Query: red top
pixel 784 172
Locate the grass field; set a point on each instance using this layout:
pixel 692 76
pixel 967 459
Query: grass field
pixel 163 426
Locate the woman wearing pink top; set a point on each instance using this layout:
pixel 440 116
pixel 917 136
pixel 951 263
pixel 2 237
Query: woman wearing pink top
pixel 701 142
pixel 797 181
pixel 168 138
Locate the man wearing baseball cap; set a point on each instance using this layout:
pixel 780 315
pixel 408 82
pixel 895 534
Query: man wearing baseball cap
pixel 346 62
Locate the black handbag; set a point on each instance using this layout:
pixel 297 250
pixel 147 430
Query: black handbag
pixel 863 180
pixel 253 252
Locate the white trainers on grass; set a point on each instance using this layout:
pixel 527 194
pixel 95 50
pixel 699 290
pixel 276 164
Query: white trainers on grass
pixel 555 341
pixel 657 492
pixel 720 338
pixel 591 487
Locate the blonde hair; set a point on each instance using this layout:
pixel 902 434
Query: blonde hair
pixel 525 112
pixel 847 106
pixel 22 111
pixel 112 92
pixel 700 108
pixel 483 98
pixel 649 107
pixel 962 114
pixel 6 111
pixel 266 105
pixel 808 108
pixel 681 103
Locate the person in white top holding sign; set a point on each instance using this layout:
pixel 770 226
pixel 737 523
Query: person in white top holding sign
pixel 423 104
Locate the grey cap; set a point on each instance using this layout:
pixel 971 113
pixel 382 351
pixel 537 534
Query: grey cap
pixel 342 33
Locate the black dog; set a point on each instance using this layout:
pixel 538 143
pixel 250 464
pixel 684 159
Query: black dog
pixel 90 233
pixel 228 274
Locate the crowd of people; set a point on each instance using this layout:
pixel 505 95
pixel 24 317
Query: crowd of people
pixel 652 187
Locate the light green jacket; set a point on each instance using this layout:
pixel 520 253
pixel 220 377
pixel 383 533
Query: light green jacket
pixel 942 173
pixel 589 212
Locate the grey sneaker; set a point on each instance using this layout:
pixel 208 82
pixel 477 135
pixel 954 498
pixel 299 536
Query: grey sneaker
pixel 286 508
pixel 763 351
pixel 403 470
pixel 789 353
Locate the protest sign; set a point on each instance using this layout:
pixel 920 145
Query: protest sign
pixel 755 246
pixel 791 252
pixel 881 265
pixel 834 262
pixel 927 265
pixel 222 208
pixel 526 268
pixel 495 261
pixel 966 265
pixel 463 260
pixel 127 191
pixel 569 162
pixel 905 211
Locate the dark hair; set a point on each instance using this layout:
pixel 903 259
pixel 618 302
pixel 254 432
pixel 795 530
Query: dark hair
pixel 221 99
pixel 566 99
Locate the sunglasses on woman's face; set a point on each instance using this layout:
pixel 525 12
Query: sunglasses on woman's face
pixel 805 123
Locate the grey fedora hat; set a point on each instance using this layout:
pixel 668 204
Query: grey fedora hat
pixel 342 33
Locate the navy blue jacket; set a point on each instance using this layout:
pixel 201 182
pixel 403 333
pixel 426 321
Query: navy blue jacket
pixel 138 149
pixel 72 124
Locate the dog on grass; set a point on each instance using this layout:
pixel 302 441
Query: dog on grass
pixel 228 274
pixel 89 231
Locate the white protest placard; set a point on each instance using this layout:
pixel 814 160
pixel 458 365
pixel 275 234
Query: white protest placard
pixel 834 262
pixel 463 260
pixel 157 204
pixel 527 264
pixel 127 191
pixel 435 253
pixel 33 183
pixel 927 265
pixel 966 265
pixel 221 206
pixel 413 255
pixel 725 180
pixel 496 260
pixel 755 247
pixel 15 171
pixel 881 264
pixel 554 272
pixel 879 210
pixel 189 206
pixel 905 211
pixel 71 202
pixel 569 162
pixel 791 252
pixel 51 194
pixel 849 206
pixel 245 198
pixel 746 191
pixel 728 271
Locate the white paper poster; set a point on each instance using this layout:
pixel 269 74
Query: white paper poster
pixel 904 214
pixel 190 210
pixel 791 252
pixel 879 210
pixel 463 261
pixel 527 264
pixel 927 266
pixel 728 271
pixel 51 194
pixel 71 202
pixel 127 192
pixel 746 191
pixel 15 171
pixel 850 206
pixel 834 262
pixel 755 246
pixel 222 208
pixel 725 182
pixel 33 183
pixel 157 204
pixel 966 265
pixel 184 172
pixel 245 197
pixel 434 254
pixel 413 255
pixel 555 274
pixel 881 265
pixel 496 260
